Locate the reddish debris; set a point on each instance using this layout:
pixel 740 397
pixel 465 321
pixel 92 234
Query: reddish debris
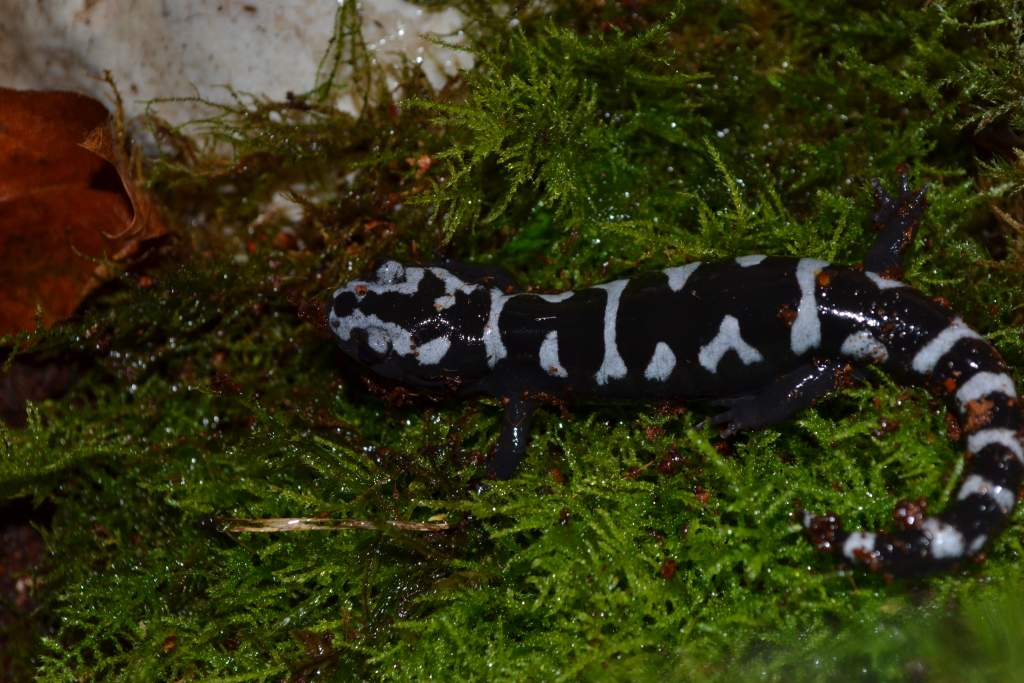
pixel 787 314
pixel 979 414
pixel 668 569
pixel 845 377
pixel 885 426
pixel 871 559
pixel 421 163
pixel 222 383
pixel 953 431
pixel 893 273
pixel 670 408
pixel 822 532
pixel 672 461
pixel 909 514
pixel 285 240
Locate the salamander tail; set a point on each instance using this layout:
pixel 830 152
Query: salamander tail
pixel 970 373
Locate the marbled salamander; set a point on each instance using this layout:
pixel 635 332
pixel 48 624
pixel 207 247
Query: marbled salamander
pixel 762 336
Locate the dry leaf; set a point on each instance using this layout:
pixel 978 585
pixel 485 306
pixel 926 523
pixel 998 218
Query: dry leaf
pixel 69 208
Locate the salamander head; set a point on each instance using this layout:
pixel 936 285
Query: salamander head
pixel 407 323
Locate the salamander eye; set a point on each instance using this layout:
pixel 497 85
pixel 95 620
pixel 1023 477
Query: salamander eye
pixel 343 305
pixel 390 272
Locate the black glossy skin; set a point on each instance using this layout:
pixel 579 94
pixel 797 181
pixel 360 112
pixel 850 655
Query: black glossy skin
pixel 793 331
pixel 758 296
pixel 645 307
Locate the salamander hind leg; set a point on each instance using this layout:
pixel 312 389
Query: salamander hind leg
pixel 515 436
pixel 784 397
pixel 897 218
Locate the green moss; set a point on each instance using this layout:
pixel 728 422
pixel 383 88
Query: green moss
pixel 601 140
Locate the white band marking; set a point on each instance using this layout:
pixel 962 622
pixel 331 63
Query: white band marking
pixel 433 351
pixel 728 338
pixel 452 284
pixel 678 275
pixel 751 260
pixel 390 272
pixel 975 483
pixel 984 383
pixel 863 346
pixel 977 544
pixel 549 361
pixel 377 338
pixel 806 330
pixel 411 285
pixel 612 367
pixel 930 354
pixel 378 332
pixel 861 541
pixel 662 363
pixel 945 539
pixel 883 282
pixel 494 347
pixel 1000 435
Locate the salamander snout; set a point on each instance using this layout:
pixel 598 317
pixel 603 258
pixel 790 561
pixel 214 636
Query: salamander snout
pixel 372 317
pixel 362 335
pixel 417 324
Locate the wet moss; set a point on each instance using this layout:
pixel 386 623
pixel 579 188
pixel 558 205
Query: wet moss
pixel 601 140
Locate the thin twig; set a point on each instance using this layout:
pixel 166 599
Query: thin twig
pixel 268 525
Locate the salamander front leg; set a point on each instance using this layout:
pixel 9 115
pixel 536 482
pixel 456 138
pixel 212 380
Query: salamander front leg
pixel 784 397
pixel 897 218
pixel 515 436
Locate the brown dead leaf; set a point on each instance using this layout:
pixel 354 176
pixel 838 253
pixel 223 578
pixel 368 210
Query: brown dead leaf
pixel 70 209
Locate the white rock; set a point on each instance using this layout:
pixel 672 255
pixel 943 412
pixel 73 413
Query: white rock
pixel 195 48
